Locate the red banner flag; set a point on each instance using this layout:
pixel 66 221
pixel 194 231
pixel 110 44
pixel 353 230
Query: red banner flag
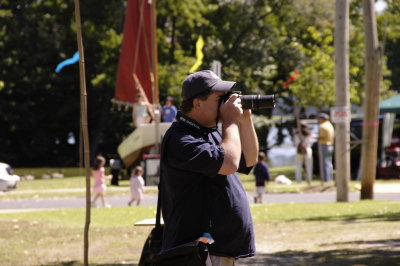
pixel 136 53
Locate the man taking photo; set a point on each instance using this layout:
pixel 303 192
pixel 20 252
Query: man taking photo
pixel 201 190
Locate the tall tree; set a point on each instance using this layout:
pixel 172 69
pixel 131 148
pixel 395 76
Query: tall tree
pixel 32 103
pixel 259 43
pixel 371 106
pixel 39 115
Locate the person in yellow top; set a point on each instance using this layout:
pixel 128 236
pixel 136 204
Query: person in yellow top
pixel 325 140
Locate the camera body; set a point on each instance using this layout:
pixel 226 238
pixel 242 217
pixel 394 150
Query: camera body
pixel 256 101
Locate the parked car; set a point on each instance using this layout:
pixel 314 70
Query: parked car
pixel 7 178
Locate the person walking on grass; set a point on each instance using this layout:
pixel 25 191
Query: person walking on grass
pixel 115 165
pixel 261 172
pixel 99 186
pixel 137 186
pixel 303 140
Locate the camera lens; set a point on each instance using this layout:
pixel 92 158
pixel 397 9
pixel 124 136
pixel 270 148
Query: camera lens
pixel 257 101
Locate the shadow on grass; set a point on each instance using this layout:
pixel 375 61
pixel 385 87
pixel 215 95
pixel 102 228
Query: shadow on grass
pixel 381 252
pixel 374 252
pixel 386 217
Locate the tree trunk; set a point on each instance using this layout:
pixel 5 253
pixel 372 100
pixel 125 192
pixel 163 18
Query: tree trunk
pixel 371 103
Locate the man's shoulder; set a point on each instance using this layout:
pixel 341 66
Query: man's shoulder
pixel 325 125
pixel 175 130
pixel 328 126
pixel 178 133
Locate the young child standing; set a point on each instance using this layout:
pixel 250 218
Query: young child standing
pixel 261 173
pixel 99 186
pixel 137 185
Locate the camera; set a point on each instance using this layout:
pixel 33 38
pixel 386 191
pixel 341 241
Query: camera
pixel 252 101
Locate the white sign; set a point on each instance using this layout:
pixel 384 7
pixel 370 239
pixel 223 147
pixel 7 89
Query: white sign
pixel 216 67
pixel 340 114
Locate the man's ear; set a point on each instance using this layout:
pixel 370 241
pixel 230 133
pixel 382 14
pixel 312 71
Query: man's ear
pixel 196 104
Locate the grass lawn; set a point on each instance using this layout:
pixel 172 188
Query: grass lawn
pixel 359 233
pixel 73 185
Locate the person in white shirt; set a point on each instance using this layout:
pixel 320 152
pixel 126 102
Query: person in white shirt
pixel 303 142
pixel 137 185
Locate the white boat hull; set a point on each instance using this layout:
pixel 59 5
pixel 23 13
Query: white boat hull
pixel 141 139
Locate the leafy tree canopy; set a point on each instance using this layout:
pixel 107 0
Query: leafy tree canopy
pixel 259 44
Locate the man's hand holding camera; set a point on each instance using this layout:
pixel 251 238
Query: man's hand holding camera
pixel 231 110
pixel 248 139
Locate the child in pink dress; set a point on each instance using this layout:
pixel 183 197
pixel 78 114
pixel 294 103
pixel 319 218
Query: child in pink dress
pixel 99 186
pixel 137 186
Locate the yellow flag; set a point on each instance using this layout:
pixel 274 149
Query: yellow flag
pixel 199 54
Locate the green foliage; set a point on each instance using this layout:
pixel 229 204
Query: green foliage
pixel 32 102
pixel 39 108
pixel 259 44
pixel 316 84
pixel 391 32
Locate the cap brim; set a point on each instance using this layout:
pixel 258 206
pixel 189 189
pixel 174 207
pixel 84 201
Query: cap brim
pixel 223 86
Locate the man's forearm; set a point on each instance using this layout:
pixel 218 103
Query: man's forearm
pixel 249 141
pixel 231 144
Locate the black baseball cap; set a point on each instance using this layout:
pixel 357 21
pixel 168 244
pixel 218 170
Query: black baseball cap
pixel 201 81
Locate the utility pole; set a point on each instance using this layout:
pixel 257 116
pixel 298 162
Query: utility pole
pixel 371 103
pixel 342 127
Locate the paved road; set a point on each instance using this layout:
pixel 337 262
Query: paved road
pixel 151 199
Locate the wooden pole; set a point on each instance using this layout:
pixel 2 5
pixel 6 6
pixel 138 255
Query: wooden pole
pixel 140 87
pixel 342 141
pixel 371 103
pixel 84 127
pixel 154 76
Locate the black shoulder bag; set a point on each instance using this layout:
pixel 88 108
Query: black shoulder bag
pixel 193 253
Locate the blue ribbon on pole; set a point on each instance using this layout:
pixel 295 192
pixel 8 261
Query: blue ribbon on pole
pixel 68 61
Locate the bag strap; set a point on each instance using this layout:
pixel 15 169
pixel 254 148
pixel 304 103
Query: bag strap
pixel 158 214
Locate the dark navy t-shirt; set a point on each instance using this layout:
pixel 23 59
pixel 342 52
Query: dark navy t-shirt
pixel 261 172
pixel 193 194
